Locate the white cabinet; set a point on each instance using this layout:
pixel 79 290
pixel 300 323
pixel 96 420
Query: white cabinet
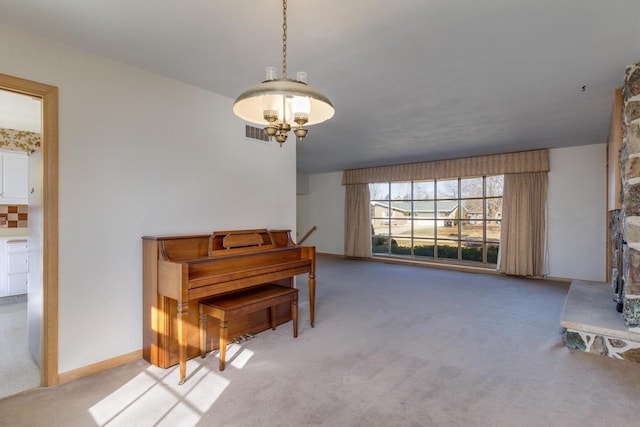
pixel 14 267
pixel 14 177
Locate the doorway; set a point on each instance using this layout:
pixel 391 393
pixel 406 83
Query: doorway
pixel 48 336
pixel 20 290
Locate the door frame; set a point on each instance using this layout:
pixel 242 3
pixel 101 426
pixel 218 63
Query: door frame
pixel 49 96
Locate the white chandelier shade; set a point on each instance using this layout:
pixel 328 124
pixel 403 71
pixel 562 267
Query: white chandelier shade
pixel 283 95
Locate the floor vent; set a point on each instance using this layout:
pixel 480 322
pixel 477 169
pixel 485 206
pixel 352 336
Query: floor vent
pixel 255 133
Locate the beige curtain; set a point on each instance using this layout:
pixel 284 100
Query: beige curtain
pixel 357 229
pixel 522 238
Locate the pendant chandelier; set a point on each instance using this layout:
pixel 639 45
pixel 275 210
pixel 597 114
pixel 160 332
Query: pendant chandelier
pixel 283 104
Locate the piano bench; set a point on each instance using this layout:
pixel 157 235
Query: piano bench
pixel 230 306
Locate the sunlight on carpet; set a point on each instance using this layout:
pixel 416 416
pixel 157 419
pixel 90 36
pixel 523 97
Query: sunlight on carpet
pixel 156 391
pixel 238 358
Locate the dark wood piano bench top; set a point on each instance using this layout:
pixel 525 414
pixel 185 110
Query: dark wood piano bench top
pixel 230 306
pixel 244 302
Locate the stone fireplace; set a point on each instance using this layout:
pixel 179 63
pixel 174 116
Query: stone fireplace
pixel 592 310
pixel 626 221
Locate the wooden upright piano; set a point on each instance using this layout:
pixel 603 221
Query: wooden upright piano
pixel 180 271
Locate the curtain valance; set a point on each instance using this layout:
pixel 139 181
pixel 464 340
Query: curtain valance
pixel 521 162
pixel 19 140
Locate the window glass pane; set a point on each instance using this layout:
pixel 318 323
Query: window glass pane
pixel 495 184
pixel 471 210
pixel 447 229
pixel 423 190
pixel 379 209
pixel 494 208
pixel 380 226
pixel 447 209
pixel 471 251
pixel 447 188
pixel 471 187
pixel 424 209
pixel 379 191
pixel 401 228
pixel 423 248
pixel 472 230
pixel 401 210
pixel 423 228
pixel 493 231
pixel 400 245
pixel 401 191
pixel 492 254
pixel 447 249
pixel 380 244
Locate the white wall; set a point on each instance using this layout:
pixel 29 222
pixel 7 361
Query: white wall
pixel 302 183
pixel 140 154
pixel 323 206
pixel 576 202
pixel 577 212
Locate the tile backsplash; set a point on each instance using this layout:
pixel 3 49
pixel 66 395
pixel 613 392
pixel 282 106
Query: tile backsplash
pixel 14 216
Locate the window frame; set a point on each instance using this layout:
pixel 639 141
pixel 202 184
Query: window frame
pixel 437 241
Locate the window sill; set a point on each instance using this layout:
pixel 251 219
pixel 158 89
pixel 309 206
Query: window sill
pixel 436 264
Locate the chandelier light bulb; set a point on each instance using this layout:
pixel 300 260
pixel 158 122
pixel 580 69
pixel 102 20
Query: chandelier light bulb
pixel 301 105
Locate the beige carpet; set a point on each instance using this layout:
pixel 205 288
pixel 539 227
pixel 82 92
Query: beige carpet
pixel 392 346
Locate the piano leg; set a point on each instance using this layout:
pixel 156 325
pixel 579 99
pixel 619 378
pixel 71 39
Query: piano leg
pixel 183 311
pixel 312 297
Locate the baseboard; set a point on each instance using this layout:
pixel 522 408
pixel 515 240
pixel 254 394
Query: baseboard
pixel 442 265
pixel 558 279
pixel 330 255
pixel 13 299
pixel 94 368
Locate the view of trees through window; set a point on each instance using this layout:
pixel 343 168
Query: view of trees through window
pixel 446 219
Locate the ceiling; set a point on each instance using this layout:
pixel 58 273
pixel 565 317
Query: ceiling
pixel 411 80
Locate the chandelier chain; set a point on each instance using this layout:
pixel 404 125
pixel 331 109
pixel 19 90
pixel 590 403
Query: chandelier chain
pixel 284 39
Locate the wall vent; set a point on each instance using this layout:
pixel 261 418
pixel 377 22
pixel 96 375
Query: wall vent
pixel 255 133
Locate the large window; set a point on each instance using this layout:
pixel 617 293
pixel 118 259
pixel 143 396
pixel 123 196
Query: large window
pixel 445 219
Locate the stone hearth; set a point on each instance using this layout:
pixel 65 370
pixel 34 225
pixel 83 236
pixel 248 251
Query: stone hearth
pixel 593 325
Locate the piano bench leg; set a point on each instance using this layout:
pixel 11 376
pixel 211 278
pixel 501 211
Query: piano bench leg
pixel 203 333
pixel 294 317
pixel 272 316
